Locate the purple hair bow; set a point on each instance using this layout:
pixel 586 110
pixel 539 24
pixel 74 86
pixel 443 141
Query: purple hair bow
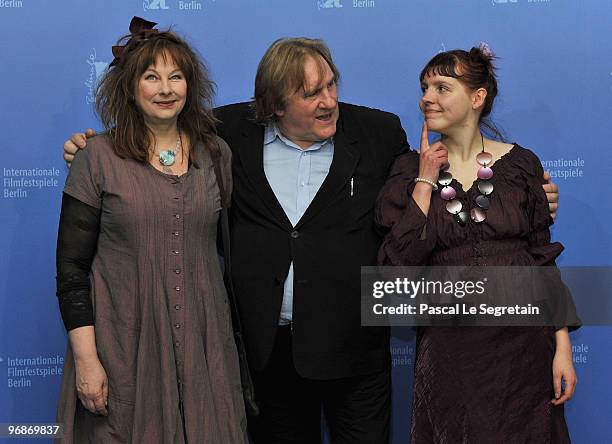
pixel 139 28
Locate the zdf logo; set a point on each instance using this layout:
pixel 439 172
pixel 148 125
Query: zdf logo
pixel 154 4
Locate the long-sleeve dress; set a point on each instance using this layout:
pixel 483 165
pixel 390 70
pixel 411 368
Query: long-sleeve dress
pixel 478 384
pixel 162 320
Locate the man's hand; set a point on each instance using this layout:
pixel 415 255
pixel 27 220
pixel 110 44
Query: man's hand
pixel 552 194
pixel 76 142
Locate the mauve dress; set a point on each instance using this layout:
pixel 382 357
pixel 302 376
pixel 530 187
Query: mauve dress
pixel 162 320
pixel 478 384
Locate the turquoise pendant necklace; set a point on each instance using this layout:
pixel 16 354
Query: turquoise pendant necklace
pixel 167 157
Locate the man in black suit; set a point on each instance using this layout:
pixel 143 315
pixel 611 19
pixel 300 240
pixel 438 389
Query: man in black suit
pixel 307 170
pixel 316 355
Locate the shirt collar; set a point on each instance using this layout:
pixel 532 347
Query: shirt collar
pixel 272 132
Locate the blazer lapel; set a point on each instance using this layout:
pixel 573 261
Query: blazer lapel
pixel 346 157
pixel 251 156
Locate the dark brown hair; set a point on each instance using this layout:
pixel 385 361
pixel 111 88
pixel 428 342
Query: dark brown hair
pixel 475 70
pixel 281 73
pixel 117 108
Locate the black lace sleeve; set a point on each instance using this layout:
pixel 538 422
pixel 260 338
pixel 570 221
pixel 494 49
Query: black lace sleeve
pixel 76 246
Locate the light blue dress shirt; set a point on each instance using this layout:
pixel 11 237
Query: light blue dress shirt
pixel 295 175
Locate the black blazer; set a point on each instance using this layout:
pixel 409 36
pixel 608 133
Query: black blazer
pixel 332 240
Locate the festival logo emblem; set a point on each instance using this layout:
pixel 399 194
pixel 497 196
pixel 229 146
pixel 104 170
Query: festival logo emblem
pixel 190 5
pixel 327 4
pixel 498 2
pixel 96 69
pixel 154 4
pixel 331 4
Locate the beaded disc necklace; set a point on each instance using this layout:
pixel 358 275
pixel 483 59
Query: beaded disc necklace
pixel 485 187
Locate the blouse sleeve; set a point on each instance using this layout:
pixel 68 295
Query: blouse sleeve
pixel 78 235
pixel 84 182
pixel 76 246
pixel 409 235
pixel 540 246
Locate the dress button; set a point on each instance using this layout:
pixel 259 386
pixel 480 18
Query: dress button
pixel 295 234
pixel 177 216
pixel 177 288
pixel 177 271
pixel 177 325
pixel 177 307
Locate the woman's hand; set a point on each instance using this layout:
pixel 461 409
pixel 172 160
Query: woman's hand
pixel 91 380
pixel 92 385
pixel 431 157
pixel 563 369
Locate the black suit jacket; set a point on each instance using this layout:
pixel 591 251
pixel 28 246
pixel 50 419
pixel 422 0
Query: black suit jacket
pixel 332 240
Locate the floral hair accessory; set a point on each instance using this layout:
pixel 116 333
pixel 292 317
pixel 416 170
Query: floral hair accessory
pixel 140 29
pixel 486 49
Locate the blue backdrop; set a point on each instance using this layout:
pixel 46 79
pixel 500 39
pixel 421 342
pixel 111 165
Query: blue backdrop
pixel 556 93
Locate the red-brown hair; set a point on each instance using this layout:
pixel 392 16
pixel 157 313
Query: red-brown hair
pixel 115 104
